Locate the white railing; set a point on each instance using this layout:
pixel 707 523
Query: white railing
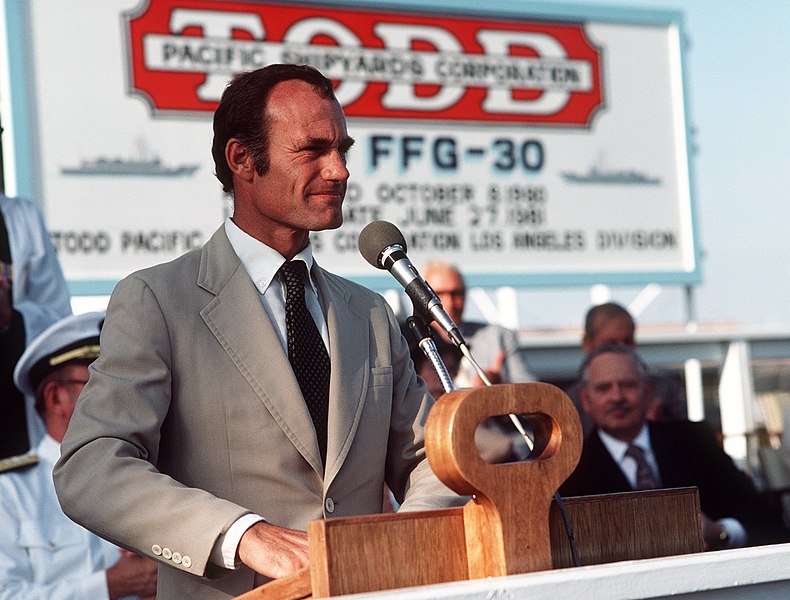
pixel 761 573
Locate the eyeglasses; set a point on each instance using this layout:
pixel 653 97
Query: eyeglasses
pixel 454 293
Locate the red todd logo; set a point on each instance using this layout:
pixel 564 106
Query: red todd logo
pixel 386 65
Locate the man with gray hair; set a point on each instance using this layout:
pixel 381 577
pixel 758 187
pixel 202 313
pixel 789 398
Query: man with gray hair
pixel 494 347
pixel 625 452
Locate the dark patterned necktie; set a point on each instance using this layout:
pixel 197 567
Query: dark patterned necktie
pixel 645 478
pixel 306 350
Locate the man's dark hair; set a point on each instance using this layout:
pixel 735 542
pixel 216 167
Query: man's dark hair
pixel 241 113
pixel 600 314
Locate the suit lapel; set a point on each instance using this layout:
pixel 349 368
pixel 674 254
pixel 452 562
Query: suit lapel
pixel 237 319
pixel 350 367
pixel 667 458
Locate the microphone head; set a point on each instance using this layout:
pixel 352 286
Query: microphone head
pixel 376 237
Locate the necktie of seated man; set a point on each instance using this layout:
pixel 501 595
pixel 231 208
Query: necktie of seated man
pixel 306 350
pixel 645 478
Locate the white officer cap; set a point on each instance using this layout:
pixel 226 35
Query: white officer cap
pixel 72 339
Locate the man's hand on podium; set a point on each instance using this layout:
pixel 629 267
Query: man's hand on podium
pixel 714 535
pixel 273 551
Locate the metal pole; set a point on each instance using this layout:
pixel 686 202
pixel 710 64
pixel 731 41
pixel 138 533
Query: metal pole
pixel 691 315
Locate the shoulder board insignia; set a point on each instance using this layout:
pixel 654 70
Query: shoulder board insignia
pixel 16 463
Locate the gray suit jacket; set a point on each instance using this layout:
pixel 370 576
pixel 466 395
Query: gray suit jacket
pixel 193 417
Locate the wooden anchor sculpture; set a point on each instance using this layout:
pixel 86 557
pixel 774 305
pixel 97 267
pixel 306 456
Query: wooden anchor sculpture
pixel 507 521
pixel 509 526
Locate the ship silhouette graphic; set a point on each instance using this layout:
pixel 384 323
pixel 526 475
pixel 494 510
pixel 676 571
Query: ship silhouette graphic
pixel 141 166
pixel 598 174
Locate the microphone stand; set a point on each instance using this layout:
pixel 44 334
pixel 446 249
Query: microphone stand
pixel 421 333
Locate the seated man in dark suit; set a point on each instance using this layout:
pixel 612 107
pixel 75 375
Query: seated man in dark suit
pixel 624 452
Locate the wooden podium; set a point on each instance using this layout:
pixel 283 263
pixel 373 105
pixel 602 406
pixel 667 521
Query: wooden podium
pixel 511 523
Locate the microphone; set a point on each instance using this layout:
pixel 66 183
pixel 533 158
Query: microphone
pixel 383 246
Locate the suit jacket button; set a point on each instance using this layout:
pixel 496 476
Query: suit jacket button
pixel 329 505
pixel 167 553
pixel 156 549
pixel 177 558
pixel 186 562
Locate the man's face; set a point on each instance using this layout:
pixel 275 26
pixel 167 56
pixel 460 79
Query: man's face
pixel 615 395
pixel 449 288
pixel 71 380
pixel 617 330
pixel 303 189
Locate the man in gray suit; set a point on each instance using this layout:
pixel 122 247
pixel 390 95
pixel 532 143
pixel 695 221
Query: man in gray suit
pixel 192 442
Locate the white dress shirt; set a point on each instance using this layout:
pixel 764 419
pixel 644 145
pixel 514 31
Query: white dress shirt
pixel 43 554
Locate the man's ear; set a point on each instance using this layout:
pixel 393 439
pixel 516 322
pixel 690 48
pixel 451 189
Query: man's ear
pixel 584 397
pixel 240 160
pixel 53 401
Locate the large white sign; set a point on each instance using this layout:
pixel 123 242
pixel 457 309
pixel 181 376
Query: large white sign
pixel 528 151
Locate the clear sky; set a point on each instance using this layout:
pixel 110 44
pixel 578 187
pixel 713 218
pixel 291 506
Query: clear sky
pixel 738 99
pixel 738 61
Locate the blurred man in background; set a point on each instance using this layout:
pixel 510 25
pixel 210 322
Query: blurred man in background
pixel 33 295
pixel 625 452
pixel 43 554
pixel 494 347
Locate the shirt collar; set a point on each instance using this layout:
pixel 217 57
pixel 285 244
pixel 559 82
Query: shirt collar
pixel 259 260
pixel 48 450
pixel 617 448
